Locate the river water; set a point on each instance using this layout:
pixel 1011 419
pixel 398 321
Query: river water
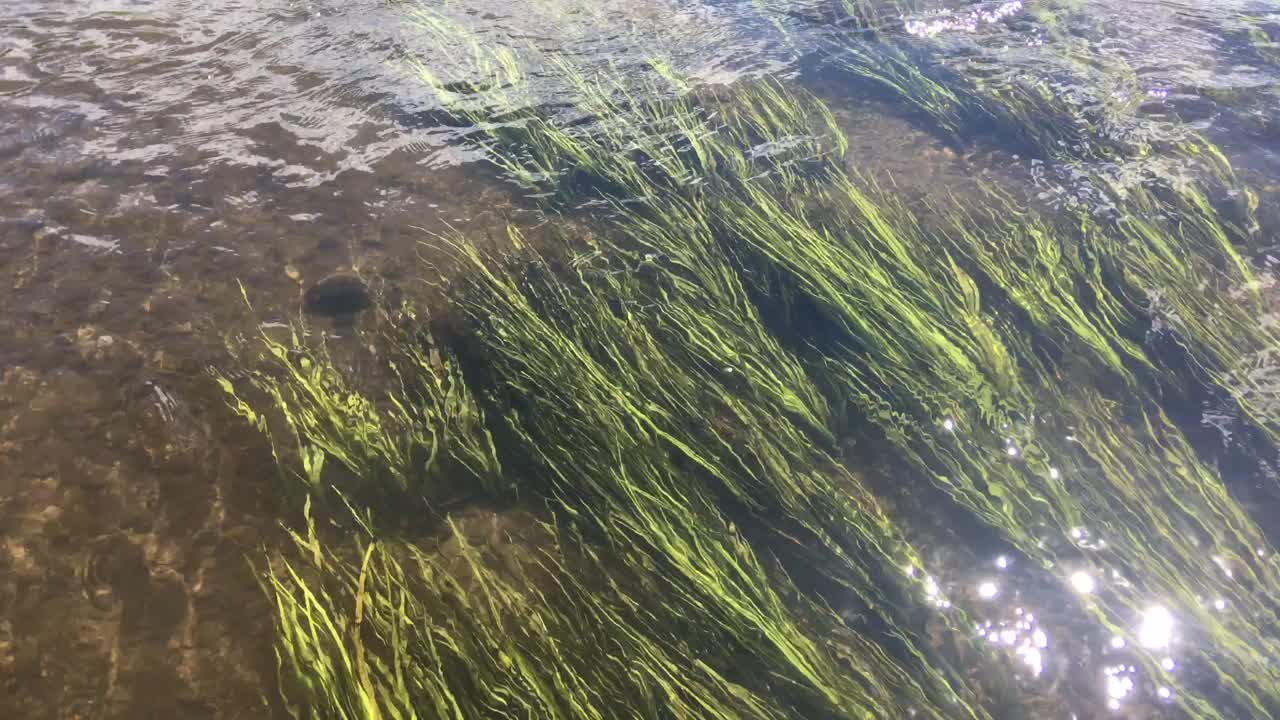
pixel 157 156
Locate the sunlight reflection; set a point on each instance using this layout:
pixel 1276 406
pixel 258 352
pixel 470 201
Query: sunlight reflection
pixel 949 21
pixel 1156 629
pixel 1028 642
pixel 1082 582
pixel 988 590
pixel 1119 684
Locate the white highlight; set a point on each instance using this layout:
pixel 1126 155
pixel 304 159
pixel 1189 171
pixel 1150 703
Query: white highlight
pixel 1156 629
pixel 1033 659
pixel 1083 582
pixel 1119 686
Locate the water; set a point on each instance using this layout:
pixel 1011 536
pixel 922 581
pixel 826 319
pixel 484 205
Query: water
pixel 158 155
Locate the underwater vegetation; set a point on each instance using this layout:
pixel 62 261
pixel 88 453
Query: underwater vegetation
pixel 662 385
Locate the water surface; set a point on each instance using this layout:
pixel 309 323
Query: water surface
pixel 157 155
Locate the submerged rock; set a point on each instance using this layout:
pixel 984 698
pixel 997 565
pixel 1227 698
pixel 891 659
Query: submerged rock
pixel 338 294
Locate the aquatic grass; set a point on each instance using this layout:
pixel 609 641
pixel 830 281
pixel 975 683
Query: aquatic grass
pixel 386 629
pixel 907 374
pixel 700 353
pixel 935 353
pixel 1163 246
pixel 636 376
pixel 1005 473
pixel 1180 255
pixel 1065 298
pixel 848 14
pixel 1163 249
pixel 901 360
pixel 1214 556
pixel 420 439
pixel 618 382
pixel 604 423
pixel 606 149
pixel 1028 112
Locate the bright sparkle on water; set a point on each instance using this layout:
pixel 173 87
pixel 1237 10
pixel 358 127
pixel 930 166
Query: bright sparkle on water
pixel 1033 659
pixel 988 590
pixel 1118 686
pixel 1083 582
pixel 947 21
pixel 1002 562
pixel 1156 629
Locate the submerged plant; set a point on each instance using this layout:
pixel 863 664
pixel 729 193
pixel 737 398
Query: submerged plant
pixel 1032 112
pixel 419 439
pixel 631 393
pixel 607 407
pixel 550 629
pixel 911 337
pixel 673 383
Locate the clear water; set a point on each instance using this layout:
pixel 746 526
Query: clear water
pixel 155 155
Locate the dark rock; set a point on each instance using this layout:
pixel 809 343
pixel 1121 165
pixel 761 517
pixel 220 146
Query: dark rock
pixel 340 294
pixel 116 570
